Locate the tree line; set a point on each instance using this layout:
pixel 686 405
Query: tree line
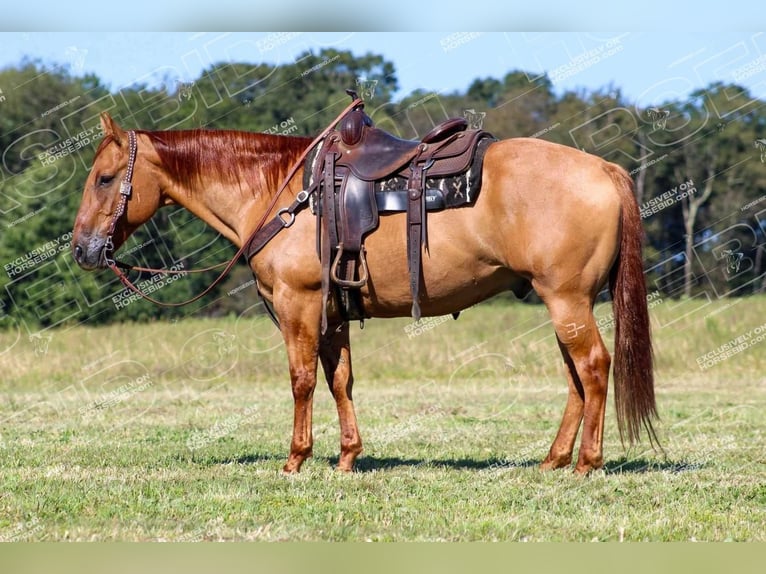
pixel 698 162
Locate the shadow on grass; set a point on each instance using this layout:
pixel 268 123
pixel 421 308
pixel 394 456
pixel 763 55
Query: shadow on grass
pixel 641 465
pixel 367 463
pixel 244 459
pixel 619 466
pixel 370 463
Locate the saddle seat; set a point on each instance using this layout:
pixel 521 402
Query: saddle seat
pixel 372 154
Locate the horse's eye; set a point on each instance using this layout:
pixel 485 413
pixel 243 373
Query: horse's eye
pixel 104 180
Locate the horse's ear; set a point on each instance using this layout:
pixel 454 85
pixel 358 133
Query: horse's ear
pixel 110 128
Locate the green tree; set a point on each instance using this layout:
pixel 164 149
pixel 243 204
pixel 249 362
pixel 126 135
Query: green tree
pixel 35 97
pixel 299 98
pixel 709 141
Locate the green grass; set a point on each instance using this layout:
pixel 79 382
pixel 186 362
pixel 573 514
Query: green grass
pixel 179 432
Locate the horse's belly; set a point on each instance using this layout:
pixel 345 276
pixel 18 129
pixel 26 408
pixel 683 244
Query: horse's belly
pixel 436 298
pixel 458 270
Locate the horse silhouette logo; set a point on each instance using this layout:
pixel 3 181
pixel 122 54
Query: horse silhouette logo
pixel 733 260
pixel 225 342
pixel 761 146
pixel 366 87
pixel 658 118
pixel 475 119
pixel 40 343
pixel 185 90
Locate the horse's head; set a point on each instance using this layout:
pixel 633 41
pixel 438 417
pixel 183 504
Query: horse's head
pixel 102 197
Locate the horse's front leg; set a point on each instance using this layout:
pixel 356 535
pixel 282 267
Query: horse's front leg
pixel 335 354
pixel 299 321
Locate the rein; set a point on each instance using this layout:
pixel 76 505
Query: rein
pixel 269 230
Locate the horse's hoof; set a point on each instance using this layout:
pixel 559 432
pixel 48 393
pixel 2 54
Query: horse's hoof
pixel 584 469
pixel 555 463
pixel 348 459
pixel 292 467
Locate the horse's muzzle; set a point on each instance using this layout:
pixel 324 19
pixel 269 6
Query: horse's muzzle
pixel 88 252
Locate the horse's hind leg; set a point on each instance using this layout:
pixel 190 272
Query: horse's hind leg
pixel 560 454
pixel 335 354
pixel 588 362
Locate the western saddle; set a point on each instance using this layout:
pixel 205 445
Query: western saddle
pixel 360 171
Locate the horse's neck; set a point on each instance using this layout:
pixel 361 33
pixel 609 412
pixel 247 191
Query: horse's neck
pixel 224 207
pixel 234 205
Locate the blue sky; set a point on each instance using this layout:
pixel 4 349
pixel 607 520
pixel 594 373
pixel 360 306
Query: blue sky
pixel 647 66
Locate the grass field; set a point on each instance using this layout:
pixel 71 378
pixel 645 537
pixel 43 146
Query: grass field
pixel 178 431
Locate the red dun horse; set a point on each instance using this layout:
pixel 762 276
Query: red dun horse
pixel 548 217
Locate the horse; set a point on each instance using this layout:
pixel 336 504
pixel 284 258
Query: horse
pixel 548 217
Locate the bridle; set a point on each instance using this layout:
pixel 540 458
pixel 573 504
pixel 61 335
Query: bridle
pixel 126 190
pixel 259 237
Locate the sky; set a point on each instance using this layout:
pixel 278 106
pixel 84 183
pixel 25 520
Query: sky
pixel 648 67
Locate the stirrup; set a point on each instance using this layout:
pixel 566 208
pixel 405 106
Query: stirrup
pixel 349 283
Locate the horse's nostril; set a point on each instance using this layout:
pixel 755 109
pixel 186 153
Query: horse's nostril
pixel 78 253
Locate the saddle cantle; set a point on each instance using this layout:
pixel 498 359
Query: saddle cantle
pixel 361 171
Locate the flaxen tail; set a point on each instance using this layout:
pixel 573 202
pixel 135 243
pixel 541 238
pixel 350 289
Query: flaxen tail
pixel 633 356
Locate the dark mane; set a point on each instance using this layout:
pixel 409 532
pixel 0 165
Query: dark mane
pixel 189 156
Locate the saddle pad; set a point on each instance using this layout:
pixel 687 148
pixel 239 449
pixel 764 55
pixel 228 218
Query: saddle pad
pixel 457 190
